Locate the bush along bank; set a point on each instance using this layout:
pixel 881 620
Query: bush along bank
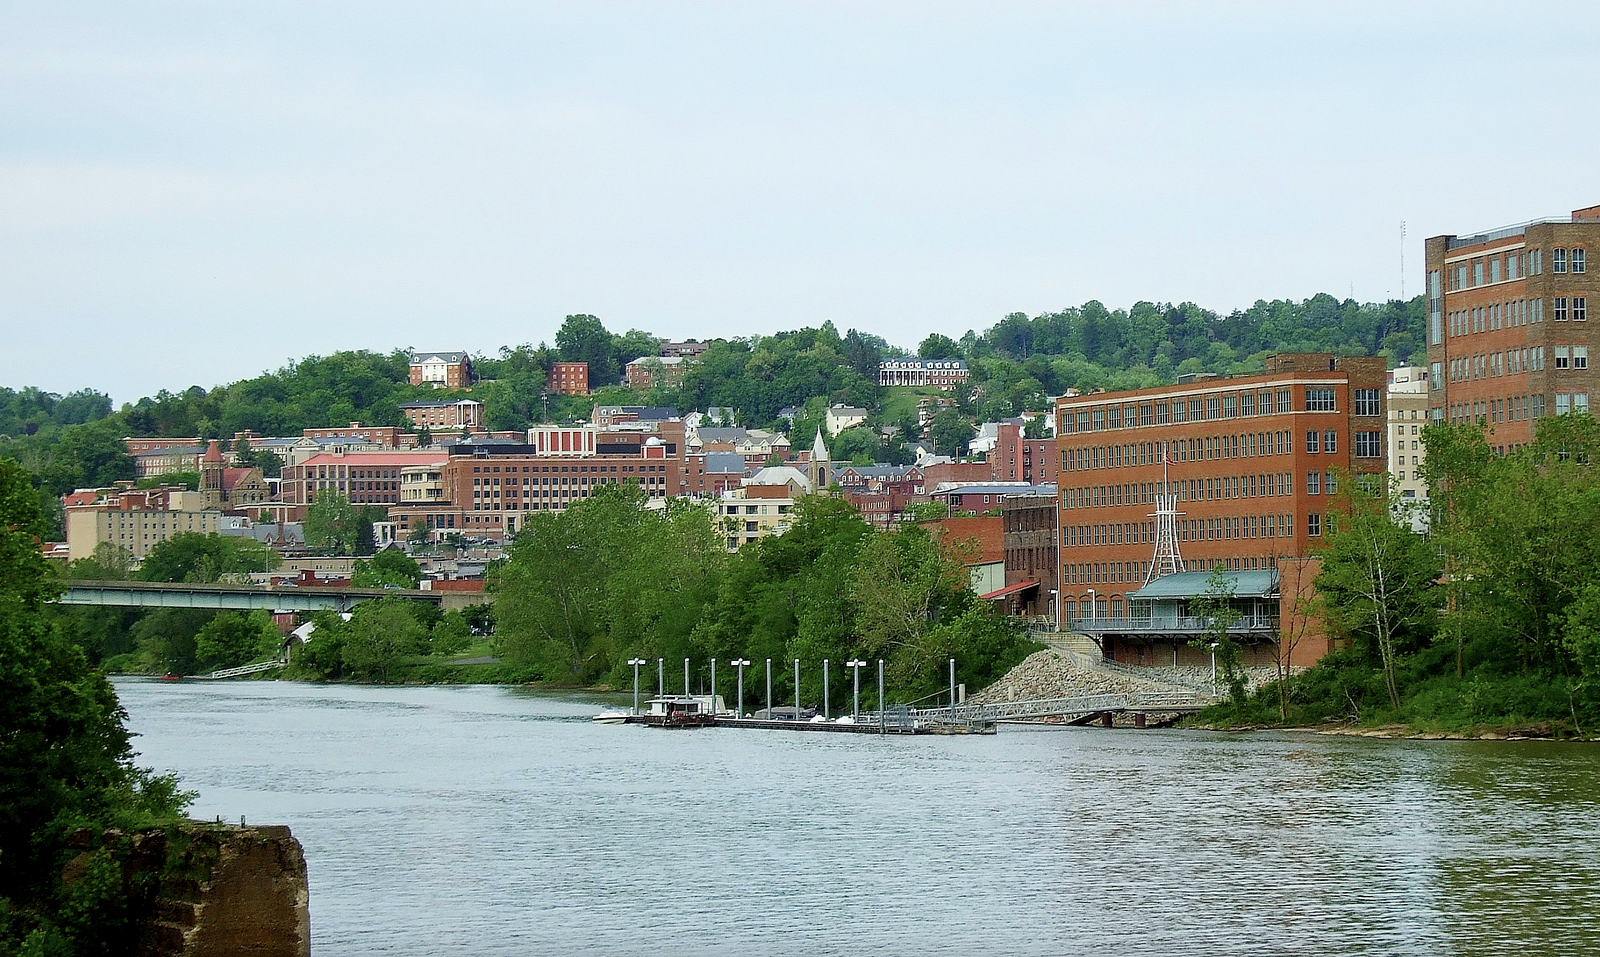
pixel 1488 624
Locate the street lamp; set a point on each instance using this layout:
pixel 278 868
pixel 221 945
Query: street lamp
pixel 1094 611
pixel 1213 667
pixel 740 663
pixel 952 687
pixel 769 689
pixel 855 700
pixel 661 677
pixel 713 686
pixel 797 689
pixel 1055 606
pixel 636 662
pixel 686 677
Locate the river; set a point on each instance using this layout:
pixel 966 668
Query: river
pixel 485 820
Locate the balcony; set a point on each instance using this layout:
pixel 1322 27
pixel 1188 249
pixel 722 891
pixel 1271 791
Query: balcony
pixel 1253 625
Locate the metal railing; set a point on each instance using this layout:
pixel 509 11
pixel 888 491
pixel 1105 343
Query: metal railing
pixel 1246 624
pixel 242 670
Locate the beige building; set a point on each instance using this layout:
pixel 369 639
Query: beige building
pixel 756 511
pixel 1408 412
pixel 422 484
pixel 134 520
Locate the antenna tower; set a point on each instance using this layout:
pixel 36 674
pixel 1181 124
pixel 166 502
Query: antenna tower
pixel 1168 560
pixel 1402 260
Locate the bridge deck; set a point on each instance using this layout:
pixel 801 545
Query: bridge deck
pixel 248 597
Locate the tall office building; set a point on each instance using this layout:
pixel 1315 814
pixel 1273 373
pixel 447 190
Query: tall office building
pixel 1508 333
pixel 1247 466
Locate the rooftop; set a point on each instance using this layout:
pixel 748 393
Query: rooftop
pixel 1257 584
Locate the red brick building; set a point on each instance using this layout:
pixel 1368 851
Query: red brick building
pixel 460 414
pixel 1508 332
pixel 1018 459
pixel 568 378
pixel 367 478
pixel 386 436
pixel 1252 462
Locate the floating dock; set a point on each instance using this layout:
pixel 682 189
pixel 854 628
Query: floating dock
pixel 892 726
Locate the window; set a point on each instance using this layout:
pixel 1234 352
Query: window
pixel 1477 272
pixel 1163 415
pixel 1312 441
pixel 1577 260
pixel 1563 357
pixel 1319 400
pixel 1313 524
pixel 1580 308
pixel 1436 375
pixel 1494 269
pixel 1580 402
pixel 1147 414
pixel 1313 483
pixel 1285 401
pixel 1330 441
pixel 1331 483
pixel 1535 262
pixel 1194 410
pixel 1230 406
pixel 1580 357
pixel 1563 403
pixel 1369 445
pixel 1558 260
pixel 1559 308
pixel 1247 403
pixel 1366 402
pixel 1180 411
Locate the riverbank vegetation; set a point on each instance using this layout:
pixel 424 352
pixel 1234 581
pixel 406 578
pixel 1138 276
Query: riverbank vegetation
pixel 66 765
pixel 613 578
pixel 1490 619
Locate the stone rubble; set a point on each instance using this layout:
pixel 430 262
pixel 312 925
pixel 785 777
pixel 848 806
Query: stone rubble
pixel 1052 674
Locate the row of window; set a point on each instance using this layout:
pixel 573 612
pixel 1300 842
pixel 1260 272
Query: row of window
pixel 1497 315
pixel 1517 361
pixel 1516 408
pixel 1500 268
pixel 1204 408
pixel 1266 485
pixel 597 469
pixel 1209 448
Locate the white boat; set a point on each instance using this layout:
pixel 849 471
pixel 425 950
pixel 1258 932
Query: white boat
pixel 612 716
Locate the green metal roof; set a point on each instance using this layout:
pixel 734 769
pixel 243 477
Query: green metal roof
pixel 1257 584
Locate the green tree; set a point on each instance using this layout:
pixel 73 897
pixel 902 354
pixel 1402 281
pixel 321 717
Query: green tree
pixel 193 557
pixel 230 639
pixel 379 635
pixel 390 567
pixel 950 431
pixel 937 346
pixel 65 752
pixel 1378 581
pixel 332 526
pixel 1216 607
pixel 583 338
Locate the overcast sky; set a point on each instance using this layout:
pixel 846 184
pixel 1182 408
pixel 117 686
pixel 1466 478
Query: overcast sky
pixel 192 193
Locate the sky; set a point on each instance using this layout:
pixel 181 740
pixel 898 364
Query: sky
pixel 194 193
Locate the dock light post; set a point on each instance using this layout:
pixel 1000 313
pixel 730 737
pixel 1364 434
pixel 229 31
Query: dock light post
pixel 855 699
pixel 797 689
pixel 769 689
pixel 1213 667
pixel 661 677
pixel 881 705
pixel 1055 607
pixel 1094 611
pixel 740 663
pixel 686 677
pixel 952 687
pixel 713 686
pixel 825 715
pixel 636 662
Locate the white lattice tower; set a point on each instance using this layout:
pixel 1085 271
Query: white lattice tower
pixel 1167 560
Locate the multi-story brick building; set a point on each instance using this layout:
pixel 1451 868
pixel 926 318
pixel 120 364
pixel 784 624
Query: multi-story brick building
pixel 1015 458
pixel 656 372
pixel 1250 462
pixel 489 490
pixel 383 436
pixel 367 478
pixel 941 373
pixel 1407 413
pixel 1028 533
pixel 1508 332
pixel 135 520
pixel 568 378
pixel 460 414
pixel 442 370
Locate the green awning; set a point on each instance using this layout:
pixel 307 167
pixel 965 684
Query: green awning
pixel 1257 584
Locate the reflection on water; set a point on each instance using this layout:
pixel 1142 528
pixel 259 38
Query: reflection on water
pixel 482 820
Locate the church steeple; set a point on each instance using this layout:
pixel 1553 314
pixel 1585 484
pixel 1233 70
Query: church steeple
pixel 819 469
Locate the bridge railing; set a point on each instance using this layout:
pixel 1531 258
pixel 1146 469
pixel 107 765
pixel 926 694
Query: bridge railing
pixel 1078 705
pixel 243 670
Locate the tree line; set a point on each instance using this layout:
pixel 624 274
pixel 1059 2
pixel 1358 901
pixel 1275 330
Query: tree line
pixel 1482 609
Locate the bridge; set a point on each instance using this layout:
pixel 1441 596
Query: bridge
pixel 246 597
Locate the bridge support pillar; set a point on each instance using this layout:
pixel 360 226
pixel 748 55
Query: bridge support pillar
pixel 1138 719
pixel 1105 719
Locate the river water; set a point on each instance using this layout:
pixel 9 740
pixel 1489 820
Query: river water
pixel 485 820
